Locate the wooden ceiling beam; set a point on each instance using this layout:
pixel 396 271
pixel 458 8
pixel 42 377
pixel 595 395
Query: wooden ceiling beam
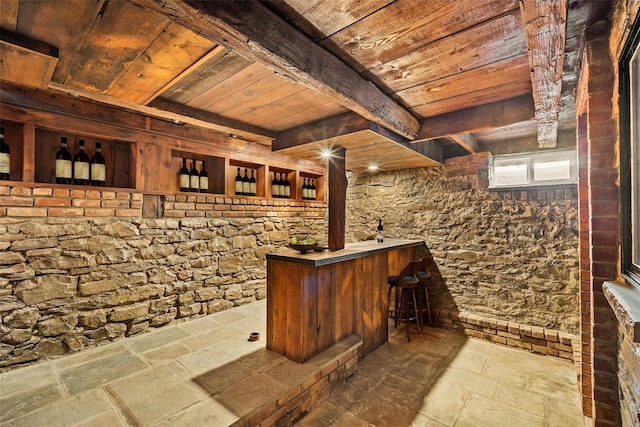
pixel 495 114
pixel 545 26
pixel 466 141
pixel 255 32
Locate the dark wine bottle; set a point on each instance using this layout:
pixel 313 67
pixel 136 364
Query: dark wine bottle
pixel 184 176
pixel 380 235
pixel 252 184
pixel 245 184
pixel 312 190
pixel 64 165
pixel 275 187
pixel 194 178
pixel 204 179
pixel 305 189
pixel 81 166
pixel 287 187
pixel 5 160
pixel 239 184
pixel 98 168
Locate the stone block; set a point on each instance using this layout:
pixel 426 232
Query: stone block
pixel 229 264
pixel 189 310
pixel 92 319
pixel 58 325
pixel 218 305
pixel 97 287
pixel 24 318
pixel 537 332
pixel 163 319
pixel 208 293
pixel 46 288
pixel 120 229
pixel 16 336
pixel 10 258
pixel 136 328
pixel 129 312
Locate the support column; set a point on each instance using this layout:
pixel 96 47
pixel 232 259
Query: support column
pixel 337 198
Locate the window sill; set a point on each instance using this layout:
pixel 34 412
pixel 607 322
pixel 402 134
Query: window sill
pixel 624 299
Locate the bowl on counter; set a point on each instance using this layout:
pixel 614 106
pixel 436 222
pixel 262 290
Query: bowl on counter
pixel 303 248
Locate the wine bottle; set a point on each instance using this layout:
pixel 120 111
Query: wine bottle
pixel 5 161
pixel 380 236
pixel 305 189
pixel 280 186
pixel 184 176
pixel 64 166
pixel 275 187
pixel 204 179
pixel 98 168
pixel 239 184
pixel 252 184
pixel 246 190
pixel 287 187
pixel 81 166
pixel 194 178
pixel 312 192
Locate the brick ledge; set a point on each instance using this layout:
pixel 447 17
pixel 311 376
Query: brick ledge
pixel 624 300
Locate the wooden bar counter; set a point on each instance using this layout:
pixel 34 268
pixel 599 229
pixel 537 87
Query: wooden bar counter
pixel 315 300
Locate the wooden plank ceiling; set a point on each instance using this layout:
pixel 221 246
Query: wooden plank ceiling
pixel 399 83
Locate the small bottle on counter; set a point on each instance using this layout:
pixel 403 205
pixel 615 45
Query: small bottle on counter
pixel 380 235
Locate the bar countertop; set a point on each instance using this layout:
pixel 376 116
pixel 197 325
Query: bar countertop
pixel 351 251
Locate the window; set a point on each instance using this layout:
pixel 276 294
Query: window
pixel 630 153
pixel 531 169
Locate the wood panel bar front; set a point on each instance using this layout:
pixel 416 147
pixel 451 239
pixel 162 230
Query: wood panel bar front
pixel 315 300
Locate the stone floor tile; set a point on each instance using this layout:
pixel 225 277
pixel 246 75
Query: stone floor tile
pixel 421 368
pixel 562 414
pixel 216 379
pixel 350 420
pixel 421 420
pixel 325 414
pixel 469 358
pixel 205 360
pixel 356 389
pixel 199 326
pixel 77 409
pixel 248 325
pixel 521 398
pixel 443 402
pixel 469 380
pixel 165 354
pixel 92 374
pixel 26 379
pixel 289 373
pixel 379 411
pixel 257 310
pixel 208 412
pixel 511 375
pixel 261 359
pixel 162 337
pixel 89 355
pixel 553 387
pixel 210 338
pixel 402 391
pixel 106 419
pixel 483 411
pixel 228 317
pixel 239 345
pixel 249 393
pixel 29 400
pixel 155 394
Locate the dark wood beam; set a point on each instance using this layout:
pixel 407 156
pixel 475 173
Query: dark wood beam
pixel 466 141
pixel 252 30
pixel 337 198
pixel 332 127
pixel 496 114
pixel 545 24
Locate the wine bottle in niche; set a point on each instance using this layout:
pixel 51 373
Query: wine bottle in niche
pixel 184 176
pixel 275 187
pixel 312 192
pixel 81 166
pixel 194 178
pixel 64 165
pixel 245 184
pixel 239 184
pixel 98 168
pixel 204 179
pixel 252 184
pixel 5 160
pixel 305 189
pixel 287 186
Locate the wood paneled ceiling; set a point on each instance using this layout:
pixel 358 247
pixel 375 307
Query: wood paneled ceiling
pixel 397 82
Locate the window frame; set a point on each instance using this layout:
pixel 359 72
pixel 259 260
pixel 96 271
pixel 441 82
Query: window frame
pixel 530 159
pixel 629 269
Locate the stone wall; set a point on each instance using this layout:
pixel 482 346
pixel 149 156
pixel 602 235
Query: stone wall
pixel 510 256
pixel 70 279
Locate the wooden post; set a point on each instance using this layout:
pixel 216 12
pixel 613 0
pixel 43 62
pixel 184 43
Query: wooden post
pixel 337 198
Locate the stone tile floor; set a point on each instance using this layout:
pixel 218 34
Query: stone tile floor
pixel 205 372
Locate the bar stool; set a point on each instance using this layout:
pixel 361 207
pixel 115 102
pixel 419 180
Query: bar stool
pixel 423 277
pixel 405 285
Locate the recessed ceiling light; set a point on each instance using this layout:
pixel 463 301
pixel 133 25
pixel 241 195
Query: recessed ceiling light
pixel 325 154
pixel 373 168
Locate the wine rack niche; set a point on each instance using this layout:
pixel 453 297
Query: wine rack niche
pixel 258 171
pixel 13 137
pixel 117 155
pixel 215 167
pixel 282 173
pixel 317 180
